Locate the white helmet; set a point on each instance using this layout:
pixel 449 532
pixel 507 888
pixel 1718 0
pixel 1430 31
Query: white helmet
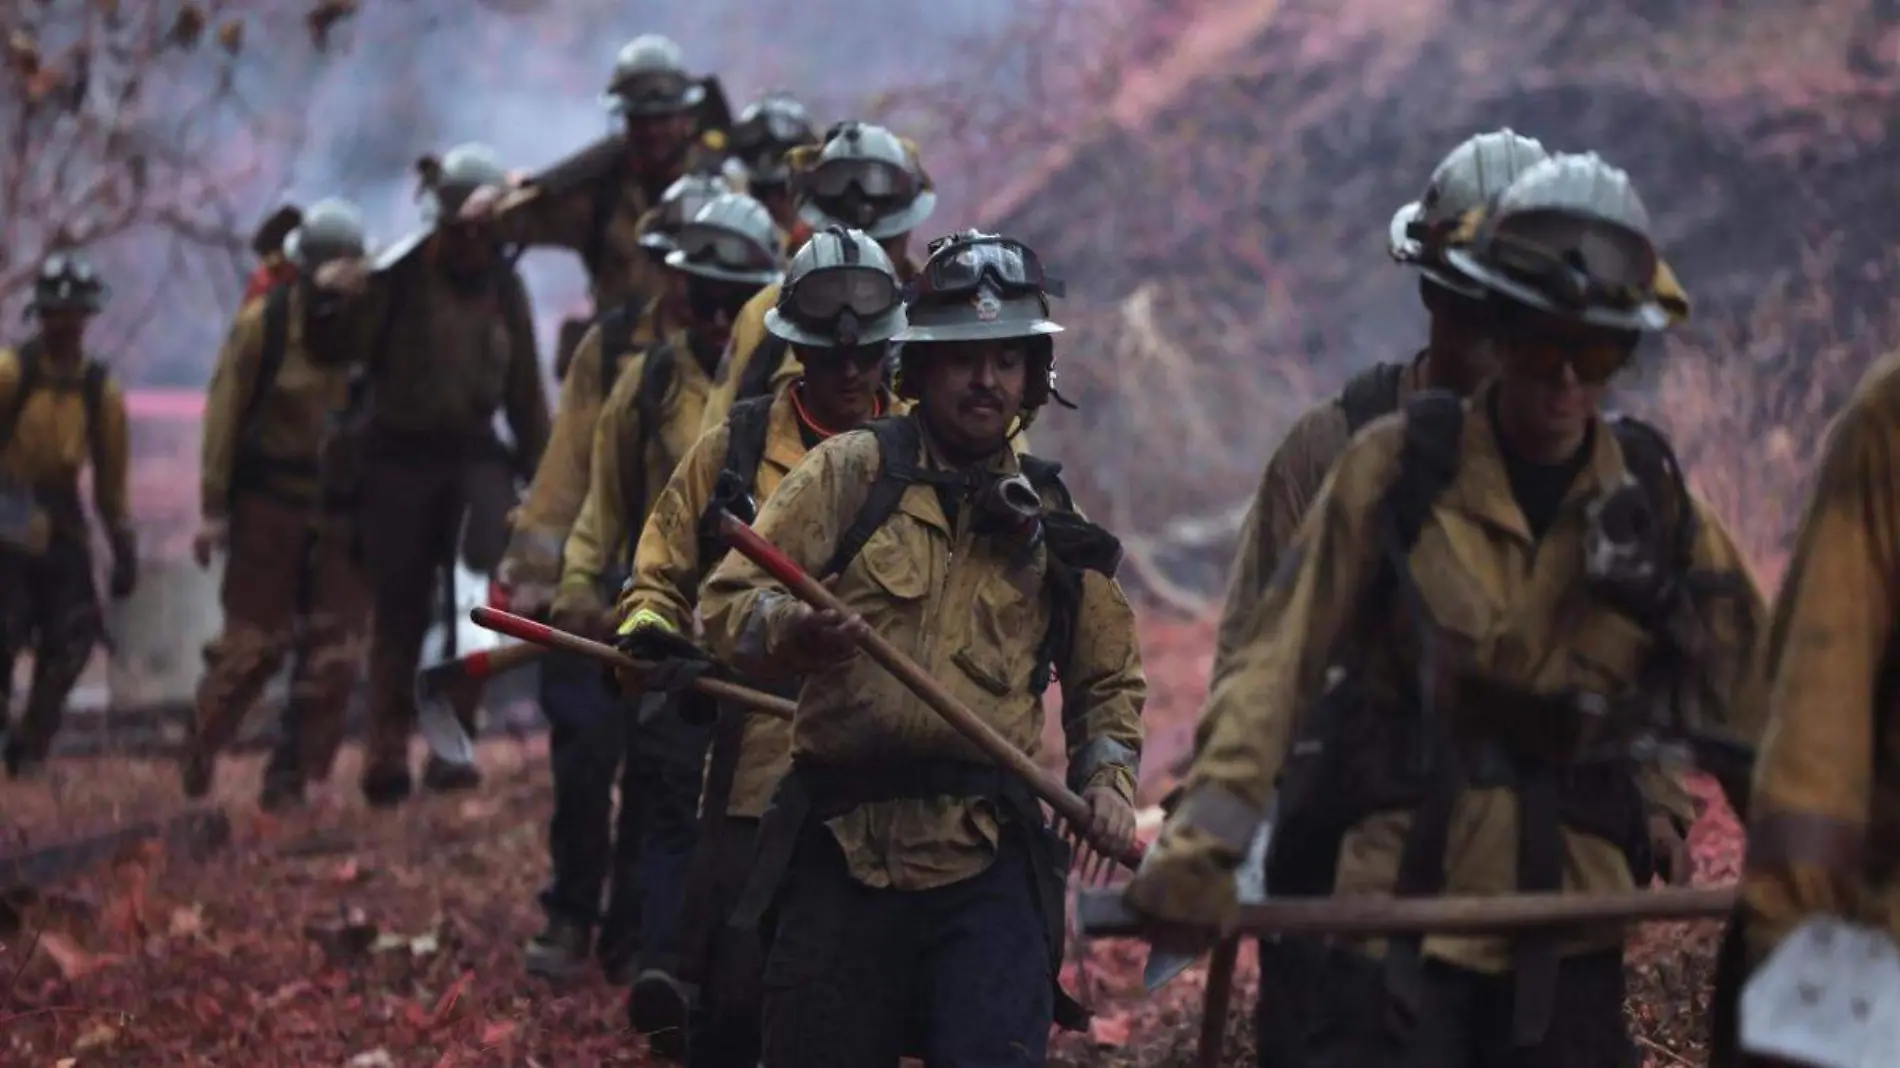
pixel 1467 178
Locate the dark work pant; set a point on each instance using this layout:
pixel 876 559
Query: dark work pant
pixel 588 743
pixel 666 766
pixel 48 607
pixel 853 969
pixel 1330 1009
pixel 724 1029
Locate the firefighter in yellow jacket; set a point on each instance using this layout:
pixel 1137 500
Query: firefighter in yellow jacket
pixel 1457 358
pixel 916 889
pixel 531 568
pixel 291 585
pixel 839 307
pixel 584 717
pixel 1822 834
pixel 60 411
pixel 649 421
pixel 863 176
pixel 1514 583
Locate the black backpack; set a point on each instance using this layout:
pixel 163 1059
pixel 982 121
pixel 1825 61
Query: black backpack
pixel 616 341
pixel 1370 394
pixel 756 380
pixel 746 427
pixel 1074 544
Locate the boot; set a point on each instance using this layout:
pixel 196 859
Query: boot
pixel 441 776
pixel 280 792
pixel 559 951
pixel 196 771
pixel 387 787
pixel 657 1006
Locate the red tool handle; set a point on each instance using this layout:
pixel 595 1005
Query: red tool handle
pixel 1066 802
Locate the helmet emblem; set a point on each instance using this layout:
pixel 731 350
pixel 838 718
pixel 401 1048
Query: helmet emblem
pixel 987 306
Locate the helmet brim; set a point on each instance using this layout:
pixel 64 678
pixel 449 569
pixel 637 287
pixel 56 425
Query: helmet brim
pixel 1400 244
pixel 677 260
pixel 873 331
pixel 999 331
pixel 1649 317
pixel 893 225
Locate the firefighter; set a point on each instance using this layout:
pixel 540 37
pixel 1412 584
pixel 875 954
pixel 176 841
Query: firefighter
pixel 838 309
pixel 290 585
pixel 862 176
pixel 1455 358
pixel 444 336
pixel 649 421
pixel 916 889
pixel 573 697
pixel 1492 573
pixel 768 129
pixel 1821 836
pixel 672 124
pixel 60 411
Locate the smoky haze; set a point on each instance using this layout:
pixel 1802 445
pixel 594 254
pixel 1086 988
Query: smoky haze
pixel 404 79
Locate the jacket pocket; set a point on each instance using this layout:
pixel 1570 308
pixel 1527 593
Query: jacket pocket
pixel 1005 637
pixel 895 567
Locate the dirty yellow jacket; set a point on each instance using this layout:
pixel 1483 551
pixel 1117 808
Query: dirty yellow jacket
pixel 565 215
pixel 274 451
pixel 668 571
pixel 1825 810
pixel 554 498
pixel 748 333
pixel 1287 486
pixel 632 461
pixel 950 600
pixel 1521 612
pixel 50 445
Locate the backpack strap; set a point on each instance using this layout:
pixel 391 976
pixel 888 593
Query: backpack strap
pixel 616 338
pixel 92 396
pixel 1651 461
pixel 747 425
pixel 656 381
pixel 606 198
pixel 271 360
pixel 899 445
pixel 1428 462
pixel 764 365
pixel 1371 393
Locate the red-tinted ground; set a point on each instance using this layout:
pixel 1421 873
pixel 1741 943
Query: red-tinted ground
pixel 335 937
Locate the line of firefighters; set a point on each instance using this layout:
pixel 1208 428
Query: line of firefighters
pixel 1463 593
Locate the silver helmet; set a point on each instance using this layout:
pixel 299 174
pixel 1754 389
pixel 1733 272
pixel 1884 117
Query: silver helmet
pixel 681 201
pixel 841 290
pixel 866 177
pixel 732 239
pixel 1466 179
pixel 1571 237
pixel 331 230
pixel 650 78
pixel 979 287
pixel 462 170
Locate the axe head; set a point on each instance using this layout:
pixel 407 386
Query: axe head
pixel 1251 883
pixel 438 716
pixel 1828 996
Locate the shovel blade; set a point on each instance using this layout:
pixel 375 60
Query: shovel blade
pixel 1828 996
pixel 1250 881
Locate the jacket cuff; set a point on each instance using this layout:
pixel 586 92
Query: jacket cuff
pixel 1103 761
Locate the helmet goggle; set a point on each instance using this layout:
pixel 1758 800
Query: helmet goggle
pixel 1574 260
pixel 66 279
pixel 652 90
pixel 722 247
pixel 1009 266
pixel 874 179
pixel 829 292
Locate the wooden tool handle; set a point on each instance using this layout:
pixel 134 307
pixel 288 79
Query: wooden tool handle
pixel 1105 913
pixel 543 635
pixel 1069 805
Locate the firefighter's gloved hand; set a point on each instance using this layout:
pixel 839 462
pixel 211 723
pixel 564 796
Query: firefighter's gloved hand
pixel 1186 889
pixel 125 564
pixel 677 663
